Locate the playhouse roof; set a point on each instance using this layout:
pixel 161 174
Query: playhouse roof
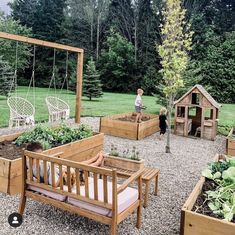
pixel 204 93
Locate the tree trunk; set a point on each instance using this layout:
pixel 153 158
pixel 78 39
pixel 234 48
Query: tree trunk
pixel 98 37
pixel 169 109
pixel 91 38
pixel 135 42
pixel 168 149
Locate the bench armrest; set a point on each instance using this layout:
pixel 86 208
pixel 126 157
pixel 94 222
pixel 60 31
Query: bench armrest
pixel 127 182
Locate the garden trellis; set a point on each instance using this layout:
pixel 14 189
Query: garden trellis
pixel 78 51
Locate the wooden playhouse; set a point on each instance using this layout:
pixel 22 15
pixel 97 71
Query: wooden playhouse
pixel 196 113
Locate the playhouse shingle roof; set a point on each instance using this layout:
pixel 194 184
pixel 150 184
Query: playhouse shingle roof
pixel 204 93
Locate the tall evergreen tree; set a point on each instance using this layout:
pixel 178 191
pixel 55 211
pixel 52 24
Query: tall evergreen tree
pixel 25 11
pixel 92 87
pixel 117 64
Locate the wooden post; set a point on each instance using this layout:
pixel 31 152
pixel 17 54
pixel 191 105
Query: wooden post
pixel 79 87
pixel 186 121
pixel 114 204
pixel 176 112
pixel 202 121
pixel 214 124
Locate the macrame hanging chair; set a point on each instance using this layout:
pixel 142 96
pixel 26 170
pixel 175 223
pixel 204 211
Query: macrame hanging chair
pixel 58 109
pixel 21 110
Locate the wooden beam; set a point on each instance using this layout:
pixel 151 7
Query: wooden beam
pixel 176 112
pixel 79 88
pixel 186 121
pixel 202 122
pixel 39 42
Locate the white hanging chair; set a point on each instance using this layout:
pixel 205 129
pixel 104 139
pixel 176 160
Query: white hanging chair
pixel 58 109
pixel 21 112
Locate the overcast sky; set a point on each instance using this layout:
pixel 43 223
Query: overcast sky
pixel 4 7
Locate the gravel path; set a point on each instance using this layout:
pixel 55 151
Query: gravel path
pixel 179 173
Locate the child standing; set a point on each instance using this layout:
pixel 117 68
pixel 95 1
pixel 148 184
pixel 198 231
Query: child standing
pixel 139 105
pixel 163 123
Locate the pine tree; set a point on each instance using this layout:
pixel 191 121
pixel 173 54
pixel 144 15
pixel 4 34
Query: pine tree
pixel 6 77
pixel 92 87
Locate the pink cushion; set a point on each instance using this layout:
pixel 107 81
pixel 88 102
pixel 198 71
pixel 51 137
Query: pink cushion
pixel 48 193
pixel 125 198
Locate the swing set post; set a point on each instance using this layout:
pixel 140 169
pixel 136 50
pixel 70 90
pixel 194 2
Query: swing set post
pixel 79 87
pixel 43 43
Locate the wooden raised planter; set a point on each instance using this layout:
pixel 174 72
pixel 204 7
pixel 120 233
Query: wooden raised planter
pixel 123 163
pixel 130 130
pixel 230 143
pixel 193 223
pixel 10 170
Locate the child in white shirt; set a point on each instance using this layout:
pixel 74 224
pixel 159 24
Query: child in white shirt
pixel 139 105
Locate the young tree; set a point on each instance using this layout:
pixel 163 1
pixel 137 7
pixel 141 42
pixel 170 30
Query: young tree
pixel 92 87
pixel 173 51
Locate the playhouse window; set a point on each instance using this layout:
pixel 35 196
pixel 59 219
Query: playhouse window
pixel 195 98
pixel 180 111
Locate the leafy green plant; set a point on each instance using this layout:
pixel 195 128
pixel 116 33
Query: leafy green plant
pixel 221 201
pixel 51 137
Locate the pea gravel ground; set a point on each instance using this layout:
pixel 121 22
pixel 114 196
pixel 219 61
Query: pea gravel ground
pixel 180 171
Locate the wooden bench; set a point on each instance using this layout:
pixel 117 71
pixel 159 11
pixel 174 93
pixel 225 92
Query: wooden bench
pixel 102 200
pixel 149 174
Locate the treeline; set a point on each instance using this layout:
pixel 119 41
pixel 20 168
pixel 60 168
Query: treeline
pixel 122 35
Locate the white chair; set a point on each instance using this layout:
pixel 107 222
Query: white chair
pixel 21 112
pixel 57 108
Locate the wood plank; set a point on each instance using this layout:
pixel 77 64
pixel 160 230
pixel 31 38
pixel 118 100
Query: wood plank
pixel 30 169
pixel 4 175
pixel 69 179
pixel 45 172
pixel 52 174
pixel 95 177
pixel 61 177
pixel 38 170
pixel 105 188
pixel 197 224
pixel 86 184
pixel 79 87
pixel 77 147
pixel 77 181
pixel 15 185
pixel 39 42
pixel 194 195
pixel 68 207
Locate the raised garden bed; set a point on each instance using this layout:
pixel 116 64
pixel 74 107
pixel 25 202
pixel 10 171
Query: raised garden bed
pixel 204 221
pixel 123 163
pixel 124 125
pixel 230 144
pixel 10 167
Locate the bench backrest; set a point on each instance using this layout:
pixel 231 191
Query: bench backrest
pixel 96 172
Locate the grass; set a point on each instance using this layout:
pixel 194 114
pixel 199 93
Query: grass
pixel 110 103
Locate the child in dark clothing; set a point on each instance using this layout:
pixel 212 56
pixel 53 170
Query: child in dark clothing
pixel 163 123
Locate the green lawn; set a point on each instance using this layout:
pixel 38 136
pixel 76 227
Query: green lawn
pixel 111 103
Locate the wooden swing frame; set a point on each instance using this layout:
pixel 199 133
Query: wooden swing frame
pixel 78 51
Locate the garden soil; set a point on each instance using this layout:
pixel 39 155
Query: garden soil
pixel 10 151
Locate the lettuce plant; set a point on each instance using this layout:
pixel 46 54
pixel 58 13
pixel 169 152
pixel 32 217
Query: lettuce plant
pixel 221 201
